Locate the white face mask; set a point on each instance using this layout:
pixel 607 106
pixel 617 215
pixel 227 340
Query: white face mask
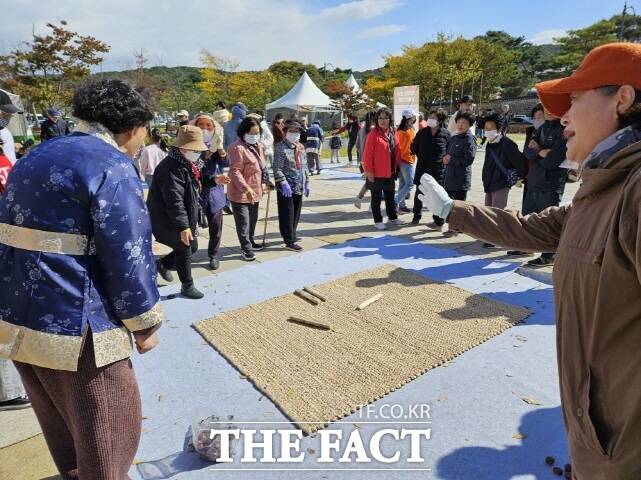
pixel 293 137
pixel 208 135
pixel 192 156
pixel 432 122
pixel 251 139
pixel 538 123
pixel 491 134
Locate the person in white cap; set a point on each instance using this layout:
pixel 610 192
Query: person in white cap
pixel 183 117
pixel 406 134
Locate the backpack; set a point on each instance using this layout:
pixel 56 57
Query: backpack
pixel 335 143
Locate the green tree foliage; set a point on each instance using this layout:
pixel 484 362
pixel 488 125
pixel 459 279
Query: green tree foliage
pixel 446 68
pixel 578 43
pixel 45 69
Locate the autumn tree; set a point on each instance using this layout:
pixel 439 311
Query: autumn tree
pixel 446 69
pixel 217 73
pixel 45 69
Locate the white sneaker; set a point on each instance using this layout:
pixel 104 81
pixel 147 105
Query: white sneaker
pixel 358 202
pixel 380 226
pixel 397 221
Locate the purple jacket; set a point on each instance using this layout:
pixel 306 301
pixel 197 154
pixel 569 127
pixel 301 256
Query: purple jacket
pixel 213 196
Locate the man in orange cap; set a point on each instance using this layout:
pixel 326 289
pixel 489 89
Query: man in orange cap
pixel 597 271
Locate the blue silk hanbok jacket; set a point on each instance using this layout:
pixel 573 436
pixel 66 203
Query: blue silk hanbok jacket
pixel 75 255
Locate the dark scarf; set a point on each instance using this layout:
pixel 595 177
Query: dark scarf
pixel 607 148
pixel 194 168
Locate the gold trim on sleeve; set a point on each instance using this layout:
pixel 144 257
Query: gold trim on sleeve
pixel 111 345
pixel 145 320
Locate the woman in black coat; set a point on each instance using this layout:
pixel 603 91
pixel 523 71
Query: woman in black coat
pixel 429 146
pixel 174 206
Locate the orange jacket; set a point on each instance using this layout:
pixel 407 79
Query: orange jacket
pixel 377 157
pixel 405 139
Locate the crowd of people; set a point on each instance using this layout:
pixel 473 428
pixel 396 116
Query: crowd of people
pixel 76 239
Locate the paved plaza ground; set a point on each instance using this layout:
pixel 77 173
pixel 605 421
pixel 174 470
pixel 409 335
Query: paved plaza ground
pixel 479 413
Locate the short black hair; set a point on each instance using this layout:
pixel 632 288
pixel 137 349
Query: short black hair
pixel 246 125
pixel 492 117
pixel 221 104
pixel 537 108
pixel 114 104
pixel 278 116
pixel 466 116
pixel 441 116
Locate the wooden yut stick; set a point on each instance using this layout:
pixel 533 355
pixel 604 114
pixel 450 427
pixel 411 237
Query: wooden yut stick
pixel 369 301
pixel 315 294
pixel 309 323
pixel 307 297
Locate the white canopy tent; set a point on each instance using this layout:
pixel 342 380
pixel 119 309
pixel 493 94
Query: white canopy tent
pixel 353 84
pixel 304 96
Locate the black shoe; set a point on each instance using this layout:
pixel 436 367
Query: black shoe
pixel 404 210
pixel 249 256
pixel 516 253
pixel 317 172
pixel 227 210
pixel 488 245
pixel 164 272
pixel 214 263
pixel 257 247
pixel 416 220
pixel 15 404
pixel 293 246
pixel 542 261
pixel 191 292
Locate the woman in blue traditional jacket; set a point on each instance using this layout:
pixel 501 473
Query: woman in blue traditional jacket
pixel 78 278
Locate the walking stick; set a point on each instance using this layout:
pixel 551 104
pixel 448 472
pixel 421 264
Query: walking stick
pixel 269 195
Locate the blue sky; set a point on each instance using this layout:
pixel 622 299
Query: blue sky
pixel 344 33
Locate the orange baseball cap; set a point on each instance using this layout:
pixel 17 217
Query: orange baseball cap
pixel 610 64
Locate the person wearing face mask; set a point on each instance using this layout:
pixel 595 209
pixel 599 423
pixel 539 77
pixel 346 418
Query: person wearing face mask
pixel 546 179
pixel 79 279
pixel 213 182
pixel 461 150
pixel 597 270
pixel 465 105
pixel 174 206
pixel 430 146
pixel 249 176
pixel 406 134
pixel 538 119
pixel 12 392
pixel 7 110
pixel 381 161
pixel 292 182
pixel 504 165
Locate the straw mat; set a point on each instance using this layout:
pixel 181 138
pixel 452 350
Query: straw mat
pixel 316 375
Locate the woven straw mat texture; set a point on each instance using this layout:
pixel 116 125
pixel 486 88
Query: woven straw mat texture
pixel 316 375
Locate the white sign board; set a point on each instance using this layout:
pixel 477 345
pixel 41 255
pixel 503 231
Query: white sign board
pixel 404 98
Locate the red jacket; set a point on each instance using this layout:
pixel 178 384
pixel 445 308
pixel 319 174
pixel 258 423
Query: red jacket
pixel 376 157
pixel 5 168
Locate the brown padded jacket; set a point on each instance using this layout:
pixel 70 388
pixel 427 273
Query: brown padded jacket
pixel 597 290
